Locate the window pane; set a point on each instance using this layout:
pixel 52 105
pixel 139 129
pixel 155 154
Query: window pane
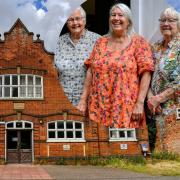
pixel 30 92
pixel 78 134
pixel 27 125
pixel 130 134
pixel 113 134
pixel 7 80
pixel 38 92
pixel 60 125
pixel 22 80
pixel 38 81
pixel 78 125
pixel 22 91
pixel 14 80
pixel 30 80
pixel 51 125
pixel 10 125
pixel 121 134
pixel 60 134
pixel 1 80
pixel 69 125
pixel 51 134
pixel 69 134
pixel 18 124
pixel 6 91
pixel 14 91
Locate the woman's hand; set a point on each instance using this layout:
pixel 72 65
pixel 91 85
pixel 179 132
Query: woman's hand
pixel 138 111
pixel 154 104
pixel 82 106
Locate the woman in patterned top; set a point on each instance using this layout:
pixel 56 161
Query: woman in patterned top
pixel 73 48
pixel 163 95
pixel 119 73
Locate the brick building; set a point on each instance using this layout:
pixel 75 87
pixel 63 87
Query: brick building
pixel 36 118
pixel 168 134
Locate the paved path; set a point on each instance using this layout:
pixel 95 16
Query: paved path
pixel 23 171
pixel 98 173
pixel 52 172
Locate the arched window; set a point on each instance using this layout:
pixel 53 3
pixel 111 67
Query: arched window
pixel 65 131
pixel 23 86
pixel 19 125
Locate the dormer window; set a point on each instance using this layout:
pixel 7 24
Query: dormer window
pixel 23 86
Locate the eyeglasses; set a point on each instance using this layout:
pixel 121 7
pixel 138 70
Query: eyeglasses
pixel 113 15
pixel 162 21
pixel 71 20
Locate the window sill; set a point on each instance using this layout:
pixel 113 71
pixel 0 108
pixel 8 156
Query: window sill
pixel 66 140
pixel 123 140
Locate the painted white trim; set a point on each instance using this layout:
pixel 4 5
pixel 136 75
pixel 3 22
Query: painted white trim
pixel 32 143
pixel 19 128
pixel 123 140
pixel 66 140
pixel 26 85
pixel 125 130
pixel 178 113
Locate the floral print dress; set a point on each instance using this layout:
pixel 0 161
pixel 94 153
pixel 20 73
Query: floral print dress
pixel 115 81
pixel 167 70
pixel 69 60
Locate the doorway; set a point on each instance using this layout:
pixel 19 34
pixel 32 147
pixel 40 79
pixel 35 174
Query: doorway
pixel 19 142
pixel 19 146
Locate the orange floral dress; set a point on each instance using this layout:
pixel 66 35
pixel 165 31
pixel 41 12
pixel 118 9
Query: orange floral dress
pixel 115 81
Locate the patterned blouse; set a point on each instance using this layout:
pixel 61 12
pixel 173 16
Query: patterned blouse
pixel 69 60
pixel 115 81
pixel 167 69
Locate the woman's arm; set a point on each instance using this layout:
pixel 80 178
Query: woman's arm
pixel 155 101
pixel 82 106
pixel 170 92
pixel 138 110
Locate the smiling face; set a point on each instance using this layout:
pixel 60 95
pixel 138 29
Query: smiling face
pixel 76 23
pixel 168 26
pixel 118 22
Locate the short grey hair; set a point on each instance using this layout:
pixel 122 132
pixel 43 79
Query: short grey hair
pixel 82 11
pixel 127 13
pixel 170 11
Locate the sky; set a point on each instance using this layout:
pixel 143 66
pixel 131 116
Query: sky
pixel 44 17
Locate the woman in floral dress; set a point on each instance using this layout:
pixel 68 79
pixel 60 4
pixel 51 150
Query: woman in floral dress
pixel 163 97
pixel 118 76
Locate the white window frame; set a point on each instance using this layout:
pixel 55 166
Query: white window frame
pixel 125 130
pixel 19 86
pixel 178 113
pixel 65 139
pixel 23 125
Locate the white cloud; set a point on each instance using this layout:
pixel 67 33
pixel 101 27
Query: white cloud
pixel 48 24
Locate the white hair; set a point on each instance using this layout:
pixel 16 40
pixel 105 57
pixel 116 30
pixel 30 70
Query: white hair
pixel 172 13
pixel 82 11
pixel 127 13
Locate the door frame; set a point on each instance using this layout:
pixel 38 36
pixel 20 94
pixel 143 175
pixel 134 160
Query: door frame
pixel 13 123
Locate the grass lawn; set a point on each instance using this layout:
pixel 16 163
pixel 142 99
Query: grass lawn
pixel 155 167
pixel 164 163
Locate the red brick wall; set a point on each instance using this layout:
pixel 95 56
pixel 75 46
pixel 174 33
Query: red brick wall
pixel 19 50
pixel 168 137
pixel 2 141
